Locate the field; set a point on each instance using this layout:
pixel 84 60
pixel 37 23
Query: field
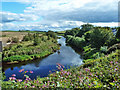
pixel 8 35
pixel 5 35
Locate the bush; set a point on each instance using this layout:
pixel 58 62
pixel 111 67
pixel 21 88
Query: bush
pixel 26 38
pixel 86 27
pixel 15 40
pixel 75 41
pixel 8 41
pixel 36 41
pixel 103 49
pixel 118 33
pixel 100 37
pixel 51 34
pixel 17 58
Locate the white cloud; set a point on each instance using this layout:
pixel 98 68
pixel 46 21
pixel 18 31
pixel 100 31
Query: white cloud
pixel 63 14
pixel 10 17
pixel 86 11
pixel 63 25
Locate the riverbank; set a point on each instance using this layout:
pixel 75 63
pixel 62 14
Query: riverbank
pixel 99 73
pixel 94 42
pixel 33 46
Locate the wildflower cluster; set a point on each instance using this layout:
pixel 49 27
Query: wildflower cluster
pixel 19 82
pixel 100 73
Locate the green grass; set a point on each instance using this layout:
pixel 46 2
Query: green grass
pixel 27 51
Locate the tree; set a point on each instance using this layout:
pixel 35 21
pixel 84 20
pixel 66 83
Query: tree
pixel 72 32
pixel 51 34
pixel 86 27
pixel 101 37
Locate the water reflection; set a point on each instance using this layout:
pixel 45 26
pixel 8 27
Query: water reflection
pixel 66 56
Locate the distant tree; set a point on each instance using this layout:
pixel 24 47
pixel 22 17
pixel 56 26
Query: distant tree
pixel 51 34
pixel 86 27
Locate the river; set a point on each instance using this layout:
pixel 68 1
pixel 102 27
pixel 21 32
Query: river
pixel 66 56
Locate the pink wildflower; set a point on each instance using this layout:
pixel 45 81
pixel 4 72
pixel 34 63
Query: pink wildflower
pixel 31 71
pixel 19 80
pixel 12 78
pixel 111 62
pixel 13 75
pixel 21 70
pixel 33 86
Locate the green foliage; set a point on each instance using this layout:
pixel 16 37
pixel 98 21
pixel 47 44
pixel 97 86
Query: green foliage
pixel 88 52
pixel 36 41
pixel 28 37
pixel 118 33
pixel 3 36
pixel 73 32
pixel 8 41
pixel 35 47
pixel 86 27
pixel 76 41
pixel 17 58
pixel 87 35
pixel 51 34
pixel 15 40
pixel 104 49
pixel 100 37
pixel 97 73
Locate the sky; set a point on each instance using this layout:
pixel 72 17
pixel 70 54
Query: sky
pixel 57 15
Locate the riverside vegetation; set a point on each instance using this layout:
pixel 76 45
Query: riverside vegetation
pixel 32 46
pixel 101 54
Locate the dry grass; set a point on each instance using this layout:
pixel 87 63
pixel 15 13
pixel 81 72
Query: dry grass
pixel 9 35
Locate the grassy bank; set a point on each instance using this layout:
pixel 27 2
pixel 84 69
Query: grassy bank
pixel 99 73
pixel 101 68
pixel 33 46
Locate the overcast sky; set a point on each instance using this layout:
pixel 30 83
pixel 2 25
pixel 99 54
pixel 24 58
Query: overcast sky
pixel 57 14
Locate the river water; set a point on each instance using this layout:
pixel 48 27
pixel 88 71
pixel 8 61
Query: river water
pixel 67 57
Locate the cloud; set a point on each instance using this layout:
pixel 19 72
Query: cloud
pixel 86 11
pixel 62 14
pixel 80 10
pixel 56 26
pixel 10 17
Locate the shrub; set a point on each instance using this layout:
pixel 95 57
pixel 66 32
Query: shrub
pixel 103 49
pixel 118 33
pixel 51 34
pixel 75 41
pixel 8 41
pixel 18 46
pixel 86 27
pixel 15 40
pixel 36 41
pixel 26 38
pixel 100 37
